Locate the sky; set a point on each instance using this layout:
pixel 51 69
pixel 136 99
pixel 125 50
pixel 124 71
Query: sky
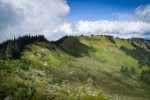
pixel 103 9
pixel 57 18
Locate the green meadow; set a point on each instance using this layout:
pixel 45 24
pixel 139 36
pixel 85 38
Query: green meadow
pixel 77 68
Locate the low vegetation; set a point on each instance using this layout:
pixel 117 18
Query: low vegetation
pixel 74 68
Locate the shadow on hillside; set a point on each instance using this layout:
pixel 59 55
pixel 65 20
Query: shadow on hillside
pixel 74 47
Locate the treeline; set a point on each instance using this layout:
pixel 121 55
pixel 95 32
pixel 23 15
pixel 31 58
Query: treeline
pixel 127 71
pixel 110 38
pixel 11 49
pixel 139 53
pixel 142 56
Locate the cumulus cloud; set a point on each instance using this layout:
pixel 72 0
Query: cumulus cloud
pixel 143 12
pixel 20 17
pixel 124 29
pixel 8 17
pixel 127 27
pixel 48 17
pixel 104 26
pixel 66 28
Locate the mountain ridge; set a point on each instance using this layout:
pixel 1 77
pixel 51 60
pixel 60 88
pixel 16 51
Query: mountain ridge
pixel 75 67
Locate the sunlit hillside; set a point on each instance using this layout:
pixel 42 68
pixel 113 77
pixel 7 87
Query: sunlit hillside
pixel 75 68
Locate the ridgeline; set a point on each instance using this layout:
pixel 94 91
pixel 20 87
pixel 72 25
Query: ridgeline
pixel 74 68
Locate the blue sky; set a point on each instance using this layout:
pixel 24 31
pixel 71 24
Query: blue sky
pixel 102 9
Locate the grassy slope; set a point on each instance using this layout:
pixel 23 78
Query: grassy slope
pixel 80 67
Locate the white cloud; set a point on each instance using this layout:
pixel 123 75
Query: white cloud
pixel 124 29
pixel 64 28
pixel 143 12
pixel 127 26
pixel 20 17
pixel 104 26
pixel 48 17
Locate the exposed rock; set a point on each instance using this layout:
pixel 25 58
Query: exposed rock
pixel 8 98
pixel 39 72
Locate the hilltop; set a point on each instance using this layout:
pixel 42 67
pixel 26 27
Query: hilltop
pixel 72 68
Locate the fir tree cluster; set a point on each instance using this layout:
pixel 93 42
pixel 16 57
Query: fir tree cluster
pixel 11 49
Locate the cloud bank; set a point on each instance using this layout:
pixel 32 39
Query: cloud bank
pixel 49 17
pixel 20 17
pixel 123 29
pixel 120 28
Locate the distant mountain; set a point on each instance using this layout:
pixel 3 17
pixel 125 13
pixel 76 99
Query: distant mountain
pixel 75 68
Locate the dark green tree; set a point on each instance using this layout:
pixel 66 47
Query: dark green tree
pixel 133 70
pixel 145 76
pixel 122 68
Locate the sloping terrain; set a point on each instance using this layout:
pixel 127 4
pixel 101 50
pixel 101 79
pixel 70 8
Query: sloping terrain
pixel 72 68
